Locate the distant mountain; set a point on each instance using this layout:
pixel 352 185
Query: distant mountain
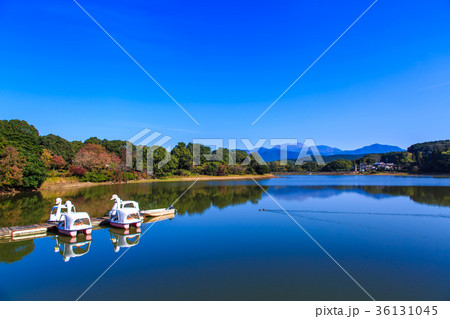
pixel 375 148
pixel 293 151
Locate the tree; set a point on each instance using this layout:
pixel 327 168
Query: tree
pixel 184 156
pixel 57 162
pixel 431 156
pixel 77 171
pixel 34 174
pixel 94 156
pixel 204 150
pixel 58 146
pixel 115 146
pixel 23 136
pixel 338 166
pixel 46 157
pixel 76 145
pixel 93 140
pixel 11 168
pixel 311 166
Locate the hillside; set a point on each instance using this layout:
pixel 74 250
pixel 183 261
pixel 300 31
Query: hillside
pixel 293 151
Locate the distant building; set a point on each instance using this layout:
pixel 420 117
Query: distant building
pixel 385 166
pixel 363 167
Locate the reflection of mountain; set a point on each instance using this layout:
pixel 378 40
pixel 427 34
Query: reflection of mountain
pixel 305 192
pixel 15 251
pixel 431 195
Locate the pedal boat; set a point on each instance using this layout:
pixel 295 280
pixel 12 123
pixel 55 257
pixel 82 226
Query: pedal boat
pixel 74 223
pixel 124 214
pixel 58 210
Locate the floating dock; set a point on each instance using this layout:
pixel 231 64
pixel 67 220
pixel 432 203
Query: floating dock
pixel 42 230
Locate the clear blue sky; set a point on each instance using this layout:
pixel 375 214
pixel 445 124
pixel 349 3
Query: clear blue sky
pixel 387 80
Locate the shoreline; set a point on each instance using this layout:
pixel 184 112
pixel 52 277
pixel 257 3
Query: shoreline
pixel 67 184
pixel 365 174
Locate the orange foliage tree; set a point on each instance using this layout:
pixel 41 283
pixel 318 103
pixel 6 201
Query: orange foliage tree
pixel 11 167
pixel 95 157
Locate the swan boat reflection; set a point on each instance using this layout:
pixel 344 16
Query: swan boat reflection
pixel 71 247
pixel 124 238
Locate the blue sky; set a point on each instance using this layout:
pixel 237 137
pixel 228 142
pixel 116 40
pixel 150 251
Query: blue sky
pixel 387 80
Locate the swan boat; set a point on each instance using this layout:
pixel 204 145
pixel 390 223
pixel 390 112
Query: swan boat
pixel 124 213
pixel 72 223
pixel 58 210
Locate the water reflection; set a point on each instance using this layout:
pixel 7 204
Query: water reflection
pixel 395 247
pixel 32 208
pixel 430 195
pixel 15 251
pixel 124 238
pixel 71 247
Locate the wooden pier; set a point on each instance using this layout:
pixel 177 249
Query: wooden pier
pixel 45 229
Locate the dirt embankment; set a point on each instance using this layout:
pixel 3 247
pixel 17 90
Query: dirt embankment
pixel 71 183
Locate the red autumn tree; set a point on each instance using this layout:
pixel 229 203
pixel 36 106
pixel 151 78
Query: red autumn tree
pixel 94 156
pixel 57 162
pixel 11 167
pixel 77 171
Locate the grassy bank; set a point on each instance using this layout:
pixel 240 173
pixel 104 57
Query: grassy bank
pixel 70 182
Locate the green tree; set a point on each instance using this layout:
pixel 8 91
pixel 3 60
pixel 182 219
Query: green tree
pixel 183 156
pixel 34 174
pixel 58 146
pixel 311 166
pixel 339 165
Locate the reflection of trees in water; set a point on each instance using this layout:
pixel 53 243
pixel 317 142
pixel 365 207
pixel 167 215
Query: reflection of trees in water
pixel 198 198
pixel 32 208
pixel 23 209
pixel 15 251
pixel 431 195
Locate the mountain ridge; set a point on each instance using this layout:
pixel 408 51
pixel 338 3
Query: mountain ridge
pixel 293 151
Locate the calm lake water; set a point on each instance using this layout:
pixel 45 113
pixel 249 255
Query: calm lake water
pixel 392 234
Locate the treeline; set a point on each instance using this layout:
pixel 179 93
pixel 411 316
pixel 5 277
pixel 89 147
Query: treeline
pixel 430 157
pixel 28 159
pixel 339 165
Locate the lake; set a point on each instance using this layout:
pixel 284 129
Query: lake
pixel 391 234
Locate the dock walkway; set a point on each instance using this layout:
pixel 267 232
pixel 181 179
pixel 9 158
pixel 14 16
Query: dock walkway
pixel 42 230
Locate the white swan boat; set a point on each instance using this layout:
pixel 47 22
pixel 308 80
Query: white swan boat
pixel 124 213
pixel 72 223
pixel 72 247
pixel 58 210
pixel 121 238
